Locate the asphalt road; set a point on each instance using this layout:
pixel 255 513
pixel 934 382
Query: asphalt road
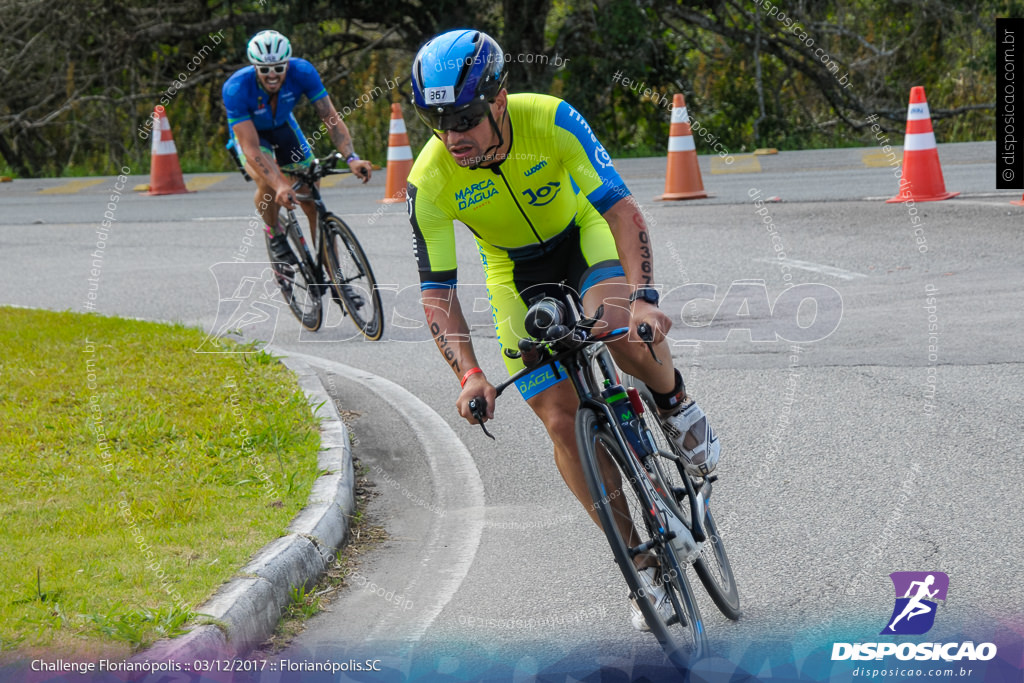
pixel 883 446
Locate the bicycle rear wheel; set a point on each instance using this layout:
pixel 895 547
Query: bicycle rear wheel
pixel 352 279
pixel 299 288
pixel 620 506
pixel 712 566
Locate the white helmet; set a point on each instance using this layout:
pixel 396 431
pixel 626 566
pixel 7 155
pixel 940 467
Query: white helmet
pixel 269 47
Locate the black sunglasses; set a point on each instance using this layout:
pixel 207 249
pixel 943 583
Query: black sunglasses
pixel 457 122
pixel 277 68
pixel 462 126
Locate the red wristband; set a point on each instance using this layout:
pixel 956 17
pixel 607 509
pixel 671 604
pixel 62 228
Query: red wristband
pixel 471 371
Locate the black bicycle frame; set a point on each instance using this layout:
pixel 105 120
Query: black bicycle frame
pixel 309 179
pixel 588 400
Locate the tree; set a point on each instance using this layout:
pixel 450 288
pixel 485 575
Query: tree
pixel 80 78
pixel 818 69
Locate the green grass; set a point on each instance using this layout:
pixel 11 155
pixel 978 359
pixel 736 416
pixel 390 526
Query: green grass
pixel 303 604
pixel 137 476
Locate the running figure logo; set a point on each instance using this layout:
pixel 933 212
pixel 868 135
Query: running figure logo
pixel 916 593
pixel 248 296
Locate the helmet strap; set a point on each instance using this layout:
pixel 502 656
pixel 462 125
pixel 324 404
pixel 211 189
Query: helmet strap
pixel 501 139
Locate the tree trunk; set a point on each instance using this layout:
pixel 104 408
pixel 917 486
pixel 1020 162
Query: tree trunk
pixel 13 158
pixel 523 41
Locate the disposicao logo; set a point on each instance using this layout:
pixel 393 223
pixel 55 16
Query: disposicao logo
pixel 917 594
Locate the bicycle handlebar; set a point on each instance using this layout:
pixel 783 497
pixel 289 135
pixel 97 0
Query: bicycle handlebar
pixel 565 341
pixel 318 169
pixel 478 407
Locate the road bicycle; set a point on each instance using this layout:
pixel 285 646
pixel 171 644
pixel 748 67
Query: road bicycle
pixel 634 476
pixel 336 263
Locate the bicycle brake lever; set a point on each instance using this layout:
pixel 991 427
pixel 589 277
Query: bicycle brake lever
pixel 478 407
pixel 646 334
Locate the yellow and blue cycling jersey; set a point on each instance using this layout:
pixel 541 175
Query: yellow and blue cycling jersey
pixel 279 132
pixel 536 216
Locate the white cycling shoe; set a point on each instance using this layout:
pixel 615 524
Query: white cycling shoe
pixel 653 592
pixel 701 460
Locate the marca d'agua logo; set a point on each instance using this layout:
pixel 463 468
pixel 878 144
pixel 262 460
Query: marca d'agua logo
pixel 917 594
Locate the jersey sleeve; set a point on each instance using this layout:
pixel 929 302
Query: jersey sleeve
pixel 587 160
pixel 234 101
pixel 312 87
pixel 433 241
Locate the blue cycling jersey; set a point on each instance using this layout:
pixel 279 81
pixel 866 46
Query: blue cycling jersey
pixel 246 100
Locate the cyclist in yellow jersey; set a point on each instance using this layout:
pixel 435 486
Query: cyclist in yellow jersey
pixel 526 174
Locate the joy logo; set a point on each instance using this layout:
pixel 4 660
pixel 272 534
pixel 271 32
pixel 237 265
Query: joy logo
pixel 916 596
pixel 544 194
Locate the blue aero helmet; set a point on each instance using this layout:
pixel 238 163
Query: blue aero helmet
pixel 455 77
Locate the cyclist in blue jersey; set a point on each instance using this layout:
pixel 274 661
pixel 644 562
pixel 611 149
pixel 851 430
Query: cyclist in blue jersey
pixel 265 136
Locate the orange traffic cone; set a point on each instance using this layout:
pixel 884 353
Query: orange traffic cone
pixel 682 177
pixel 1018 202
pixel 164 171
pixel 399 158
pixel 921 179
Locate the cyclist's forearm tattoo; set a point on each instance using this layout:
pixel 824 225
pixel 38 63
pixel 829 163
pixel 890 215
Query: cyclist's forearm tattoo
pixel 336 128
pixel 341 141
pixel 261 164
pixel 442 345
pixel 646 266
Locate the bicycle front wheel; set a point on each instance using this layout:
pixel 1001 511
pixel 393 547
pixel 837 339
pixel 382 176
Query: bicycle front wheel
pixel 620 507
pixel 298 286
pixel 712 566
pixel 352 279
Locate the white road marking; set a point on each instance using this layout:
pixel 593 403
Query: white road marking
pixel 998 204
pixel 814 268
pixel 1006 195
pixel 252 215
pixel 224 218
pixel 456 535
pixel 959 200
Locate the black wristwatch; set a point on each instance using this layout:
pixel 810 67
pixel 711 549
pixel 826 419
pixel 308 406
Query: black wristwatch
pixel 648 294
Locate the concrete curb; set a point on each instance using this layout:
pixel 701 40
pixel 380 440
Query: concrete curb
pixel 244 612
